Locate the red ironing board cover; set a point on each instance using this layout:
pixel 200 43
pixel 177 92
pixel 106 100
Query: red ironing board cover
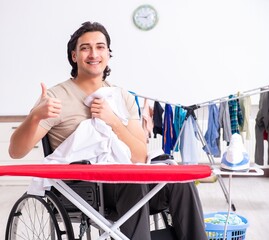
pixel 116 173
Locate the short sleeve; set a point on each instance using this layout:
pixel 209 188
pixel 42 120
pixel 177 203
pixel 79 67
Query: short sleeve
pixel 131 105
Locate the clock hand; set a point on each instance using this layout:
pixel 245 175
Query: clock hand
pixel 146 16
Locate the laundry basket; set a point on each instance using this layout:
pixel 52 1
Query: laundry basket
pixel 215 230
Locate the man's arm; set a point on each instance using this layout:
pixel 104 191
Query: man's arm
pixel 25 137
pixel 134 137
pixel 29 132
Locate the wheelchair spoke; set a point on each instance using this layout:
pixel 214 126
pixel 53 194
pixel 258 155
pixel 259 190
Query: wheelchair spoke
pixel 34 221
pixel 36 218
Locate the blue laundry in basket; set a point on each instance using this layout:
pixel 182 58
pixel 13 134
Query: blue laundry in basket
pixel 221 219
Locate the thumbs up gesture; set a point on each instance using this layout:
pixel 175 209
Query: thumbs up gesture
pixel 47 107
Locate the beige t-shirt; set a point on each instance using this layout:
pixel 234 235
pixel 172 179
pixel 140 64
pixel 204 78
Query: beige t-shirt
pixel 74 110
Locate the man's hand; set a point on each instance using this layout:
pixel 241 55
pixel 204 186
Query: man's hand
pixel 47 107
pixel 132 135
pixel 100 109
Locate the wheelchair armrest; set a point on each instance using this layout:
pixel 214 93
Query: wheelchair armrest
pixel 168 162
pixel 85 162
pixel 164 158
pixel 161 158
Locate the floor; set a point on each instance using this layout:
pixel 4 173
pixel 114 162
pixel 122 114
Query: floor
pixel 249 195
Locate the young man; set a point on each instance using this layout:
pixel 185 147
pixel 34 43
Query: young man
pixel 60 110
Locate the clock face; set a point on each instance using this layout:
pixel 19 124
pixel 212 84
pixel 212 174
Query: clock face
pixel 145 17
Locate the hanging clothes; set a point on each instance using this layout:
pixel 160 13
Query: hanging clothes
pixel 189 137
pixel 212 135
pixel 235 114
pixel 262 124
pixel 225 121
pixel 265 135
pixel 147 121
pixel 169 135
pixel 180 115
pixel 245 105
pixel 157 119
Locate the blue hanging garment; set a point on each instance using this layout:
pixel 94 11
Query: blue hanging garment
pixel 180 115
pixel 212 135
pixel 169 134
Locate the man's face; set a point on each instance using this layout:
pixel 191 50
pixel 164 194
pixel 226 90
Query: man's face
pixel 91 54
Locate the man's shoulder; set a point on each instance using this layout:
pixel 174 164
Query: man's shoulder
pixel 124 92
pixel 61 88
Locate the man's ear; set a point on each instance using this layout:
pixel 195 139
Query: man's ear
pixel 74 56
pixel 109 53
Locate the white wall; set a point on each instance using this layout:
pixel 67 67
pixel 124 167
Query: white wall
pixel 200 49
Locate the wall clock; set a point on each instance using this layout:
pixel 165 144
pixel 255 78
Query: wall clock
pixel 145 17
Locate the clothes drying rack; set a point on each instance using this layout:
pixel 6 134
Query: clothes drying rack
pixel 191 112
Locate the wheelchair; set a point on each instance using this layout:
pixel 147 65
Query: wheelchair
pixel 53 217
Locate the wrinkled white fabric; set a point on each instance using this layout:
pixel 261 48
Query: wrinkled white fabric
pixel 93 139
pixel 113 95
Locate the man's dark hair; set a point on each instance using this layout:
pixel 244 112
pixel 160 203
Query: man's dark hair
pixel 86 27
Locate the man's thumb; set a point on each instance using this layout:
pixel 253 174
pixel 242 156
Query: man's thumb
pixel 44 90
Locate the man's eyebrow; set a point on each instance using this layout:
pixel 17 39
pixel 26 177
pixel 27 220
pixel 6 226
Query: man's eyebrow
pixel 88 44
pixel 84 44
pixel 101 43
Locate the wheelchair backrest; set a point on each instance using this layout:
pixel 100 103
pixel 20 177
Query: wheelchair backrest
pixel 47 150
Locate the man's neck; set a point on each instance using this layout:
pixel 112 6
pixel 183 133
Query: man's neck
pixel 88 85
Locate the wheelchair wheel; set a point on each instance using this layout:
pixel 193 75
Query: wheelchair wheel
pixel 39 218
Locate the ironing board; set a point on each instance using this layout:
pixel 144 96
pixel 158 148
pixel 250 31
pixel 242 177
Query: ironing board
pixel 116 173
